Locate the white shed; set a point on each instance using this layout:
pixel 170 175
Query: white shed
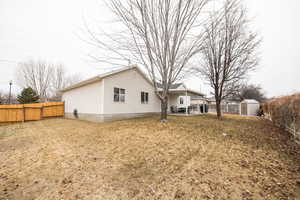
pixel 249 107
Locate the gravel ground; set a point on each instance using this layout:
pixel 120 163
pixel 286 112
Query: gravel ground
pixel 187 158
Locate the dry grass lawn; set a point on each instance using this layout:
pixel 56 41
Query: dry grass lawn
pixel 186 158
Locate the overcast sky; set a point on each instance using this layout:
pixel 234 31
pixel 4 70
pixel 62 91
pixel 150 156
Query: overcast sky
pixel 48 30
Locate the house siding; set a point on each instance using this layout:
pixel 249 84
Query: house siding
pixel 198 101
pixel 95 101
pixel 133 83
pixel 173 101
pixel 86 99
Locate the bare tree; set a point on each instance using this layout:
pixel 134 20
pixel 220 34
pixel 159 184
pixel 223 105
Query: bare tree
pixel 160 35
pixel 252 92
pixel 37 75
pixel 229 52
pixel 46 79
pixel 60 80
pixel 72 79
pixel 2 98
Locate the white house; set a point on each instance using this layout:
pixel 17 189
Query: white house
pixel 120 94
pixel 199 104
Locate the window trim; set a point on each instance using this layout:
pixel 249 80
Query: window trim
pixel 181 101
pixel 120 93
pixel 144 97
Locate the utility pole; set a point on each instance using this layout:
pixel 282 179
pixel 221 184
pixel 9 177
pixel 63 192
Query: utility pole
pixel 9 97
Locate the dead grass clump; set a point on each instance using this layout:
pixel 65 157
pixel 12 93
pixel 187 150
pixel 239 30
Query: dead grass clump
pixel 196 157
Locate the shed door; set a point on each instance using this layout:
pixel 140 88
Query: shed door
pixel 244 109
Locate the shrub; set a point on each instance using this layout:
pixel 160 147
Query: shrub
pixel 285 112
pixel 260 111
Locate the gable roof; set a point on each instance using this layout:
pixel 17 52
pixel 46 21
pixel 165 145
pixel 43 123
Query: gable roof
pixel 181 88
pixel 177 87
pixel 104 75
pixel 172 87
pixel 199 97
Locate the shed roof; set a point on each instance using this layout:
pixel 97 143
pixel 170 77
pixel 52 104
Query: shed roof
pixel 250 101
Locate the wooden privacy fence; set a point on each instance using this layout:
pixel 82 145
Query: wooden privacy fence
pixel 31 112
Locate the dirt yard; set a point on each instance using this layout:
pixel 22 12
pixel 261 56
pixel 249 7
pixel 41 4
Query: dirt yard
pixel 186 158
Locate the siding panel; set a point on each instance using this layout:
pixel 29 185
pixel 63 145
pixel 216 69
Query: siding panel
pixel 134 83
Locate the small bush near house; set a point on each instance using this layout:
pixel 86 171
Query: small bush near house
pixel 285 112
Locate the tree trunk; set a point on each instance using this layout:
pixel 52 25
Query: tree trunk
pixel 218 108
pixel 164 109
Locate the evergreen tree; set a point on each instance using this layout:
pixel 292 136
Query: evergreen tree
pixel 28 95
pixel 1 98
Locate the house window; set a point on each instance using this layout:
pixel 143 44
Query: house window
pixel 119 95
pixel 144 97
pixel 181 100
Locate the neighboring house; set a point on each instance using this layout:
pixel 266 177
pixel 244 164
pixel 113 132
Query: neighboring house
pixel 211 101
pixel 181 99
pixel 120 94
pixel 199 103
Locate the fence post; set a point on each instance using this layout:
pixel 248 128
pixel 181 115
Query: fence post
pixel 42 111
pixel 24 114
pixel 64 108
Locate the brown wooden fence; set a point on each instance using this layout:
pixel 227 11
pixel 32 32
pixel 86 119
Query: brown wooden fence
pixel 31 112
